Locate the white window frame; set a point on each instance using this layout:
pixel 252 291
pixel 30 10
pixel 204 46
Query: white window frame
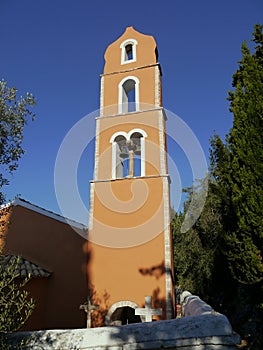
pixel 114 152
pixel 121 109
pixel 144 135
pixel 123 45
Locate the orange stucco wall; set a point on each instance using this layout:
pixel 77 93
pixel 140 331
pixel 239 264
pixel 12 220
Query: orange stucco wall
pixel 56 247
pixel 132 219
pixel 127 212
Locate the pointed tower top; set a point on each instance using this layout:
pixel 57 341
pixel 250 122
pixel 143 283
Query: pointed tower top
pixel 131 50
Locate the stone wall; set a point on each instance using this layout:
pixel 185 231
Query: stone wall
pixel 204 330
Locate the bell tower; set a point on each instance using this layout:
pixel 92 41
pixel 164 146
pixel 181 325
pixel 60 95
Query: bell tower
pixel 129 244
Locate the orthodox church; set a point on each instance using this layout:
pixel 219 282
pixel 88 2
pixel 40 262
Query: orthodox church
pixel 122 271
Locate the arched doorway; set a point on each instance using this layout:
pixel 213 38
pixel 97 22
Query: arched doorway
pixel 122 313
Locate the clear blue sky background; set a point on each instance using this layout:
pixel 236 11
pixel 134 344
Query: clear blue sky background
pixel 55 49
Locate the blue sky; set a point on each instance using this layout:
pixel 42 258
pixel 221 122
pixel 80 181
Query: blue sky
pixel 55 49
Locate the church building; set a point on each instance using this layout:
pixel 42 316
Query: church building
pixel 50 248
pixel 129 248
pixel 122 272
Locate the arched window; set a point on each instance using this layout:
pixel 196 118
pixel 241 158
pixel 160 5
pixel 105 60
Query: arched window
pixel 138 136
pixel 136 141
pixel 129 95
pixel 128 154
pixel 119 166
pixel 128 51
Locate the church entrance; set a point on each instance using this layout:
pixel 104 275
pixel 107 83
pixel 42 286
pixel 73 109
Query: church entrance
pixel 124 315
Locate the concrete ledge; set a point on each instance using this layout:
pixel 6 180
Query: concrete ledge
pixel 210 331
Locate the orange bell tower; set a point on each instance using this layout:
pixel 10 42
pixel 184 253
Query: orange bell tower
pixel 129 245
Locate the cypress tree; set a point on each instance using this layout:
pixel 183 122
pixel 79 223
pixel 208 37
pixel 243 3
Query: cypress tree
pixel 244 175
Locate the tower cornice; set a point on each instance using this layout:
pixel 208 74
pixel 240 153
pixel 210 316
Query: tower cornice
pixel 132 113
pixel 134 178
pixel 133 69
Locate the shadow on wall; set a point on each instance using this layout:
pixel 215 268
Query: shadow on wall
pixel 98 315
pixel 155 271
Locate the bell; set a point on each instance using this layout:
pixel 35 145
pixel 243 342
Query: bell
pixel 131 145
pixel 124 153
pixel 138 150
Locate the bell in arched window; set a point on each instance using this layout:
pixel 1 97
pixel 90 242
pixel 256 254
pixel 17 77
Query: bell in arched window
pixel 137 149
pixel 123 151
pixel 131 145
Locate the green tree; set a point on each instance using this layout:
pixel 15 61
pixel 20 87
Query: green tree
pixel 237 168
pixel 245 238
pixel 15 305
pixel 14 113
pixel 196 250
pixel 220 256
